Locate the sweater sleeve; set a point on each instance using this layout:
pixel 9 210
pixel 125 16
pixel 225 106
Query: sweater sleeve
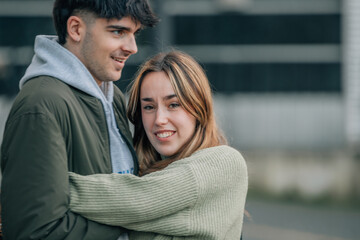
pixel 202 196
pixel 123 200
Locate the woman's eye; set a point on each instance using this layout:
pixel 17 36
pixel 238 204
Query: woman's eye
pixel 174 105
pixel 148 107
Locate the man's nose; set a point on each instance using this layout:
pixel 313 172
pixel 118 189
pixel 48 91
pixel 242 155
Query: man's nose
pixel 130 45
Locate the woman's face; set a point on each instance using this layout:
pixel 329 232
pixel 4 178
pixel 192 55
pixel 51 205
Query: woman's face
pixel 167 124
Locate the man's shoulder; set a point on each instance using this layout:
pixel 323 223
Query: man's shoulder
pixel 44 85
pixel 41 93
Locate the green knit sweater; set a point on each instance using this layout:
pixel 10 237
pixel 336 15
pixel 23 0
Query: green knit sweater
pixel 199 197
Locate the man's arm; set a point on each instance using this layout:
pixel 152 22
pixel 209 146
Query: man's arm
pixel 35 190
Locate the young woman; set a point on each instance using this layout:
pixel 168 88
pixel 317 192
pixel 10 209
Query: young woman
pixel 192 185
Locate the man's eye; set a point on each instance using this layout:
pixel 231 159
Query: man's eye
pixel 118 32
pixel 137 33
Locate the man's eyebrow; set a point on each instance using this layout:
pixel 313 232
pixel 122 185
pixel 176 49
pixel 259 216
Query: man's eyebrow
pixel 118 27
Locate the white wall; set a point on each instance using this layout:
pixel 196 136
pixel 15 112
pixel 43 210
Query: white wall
pixel 282 121
pixel 293 144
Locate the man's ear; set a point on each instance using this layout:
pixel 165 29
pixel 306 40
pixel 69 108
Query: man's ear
pixel 76 28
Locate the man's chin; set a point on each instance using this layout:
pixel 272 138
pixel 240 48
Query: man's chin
pixel 119 75
pixel 116 77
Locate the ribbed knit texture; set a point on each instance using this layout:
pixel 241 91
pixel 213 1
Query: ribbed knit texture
pixel 199 197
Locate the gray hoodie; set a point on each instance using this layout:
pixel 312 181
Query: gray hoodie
pixel 54 60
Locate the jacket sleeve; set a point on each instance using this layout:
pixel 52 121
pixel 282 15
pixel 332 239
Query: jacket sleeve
pixel 35 189
pixel 137 203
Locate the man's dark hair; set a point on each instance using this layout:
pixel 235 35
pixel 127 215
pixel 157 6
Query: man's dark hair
pixel 138 10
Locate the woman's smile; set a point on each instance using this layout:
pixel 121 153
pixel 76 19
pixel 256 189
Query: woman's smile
pixel 167 124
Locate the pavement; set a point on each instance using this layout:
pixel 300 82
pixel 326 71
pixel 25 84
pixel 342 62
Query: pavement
pixel 294 221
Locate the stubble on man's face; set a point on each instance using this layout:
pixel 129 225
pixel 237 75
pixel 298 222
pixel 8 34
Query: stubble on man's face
pixel 106 47
pixel 94 63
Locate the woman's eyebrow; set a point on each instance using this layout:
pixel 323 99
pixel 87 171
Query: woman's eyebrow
pixel 147 99
pixel 170 97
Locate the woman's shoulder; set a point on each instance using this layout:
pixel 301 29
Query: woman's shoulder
pixel 223 151
pixel 221 156
pixel 218 158
pixel 218 169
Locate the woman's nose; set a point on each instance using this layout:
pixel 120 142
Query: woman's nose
pixel 161 117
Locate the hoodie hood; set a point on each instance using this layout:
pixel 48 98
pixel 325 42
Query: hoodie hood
pixel 52 59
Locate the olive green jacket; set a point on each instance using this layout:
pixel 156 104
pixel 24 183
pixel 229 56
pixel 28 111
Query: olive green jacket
pixel 53 129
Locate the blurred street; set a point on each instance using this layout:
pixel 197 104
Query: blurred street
pixel 293 221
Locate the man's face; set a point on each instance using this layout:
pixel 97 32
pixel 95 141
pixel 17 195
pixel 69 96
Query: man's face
pixel 106 47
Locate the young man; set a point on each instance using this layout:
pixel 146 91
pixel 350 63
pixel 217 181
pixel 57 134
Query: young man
pixel 69 116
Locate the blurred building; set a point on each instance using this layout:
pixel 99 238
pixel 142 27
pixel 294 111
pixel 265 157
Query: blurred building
pixel 283 93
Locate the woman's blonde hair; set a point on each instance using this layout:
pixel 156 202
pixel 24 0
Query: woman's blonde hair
pixel 192 88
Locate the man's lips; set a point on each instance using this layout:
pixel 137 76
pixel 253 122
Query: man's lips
pixel 120 60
